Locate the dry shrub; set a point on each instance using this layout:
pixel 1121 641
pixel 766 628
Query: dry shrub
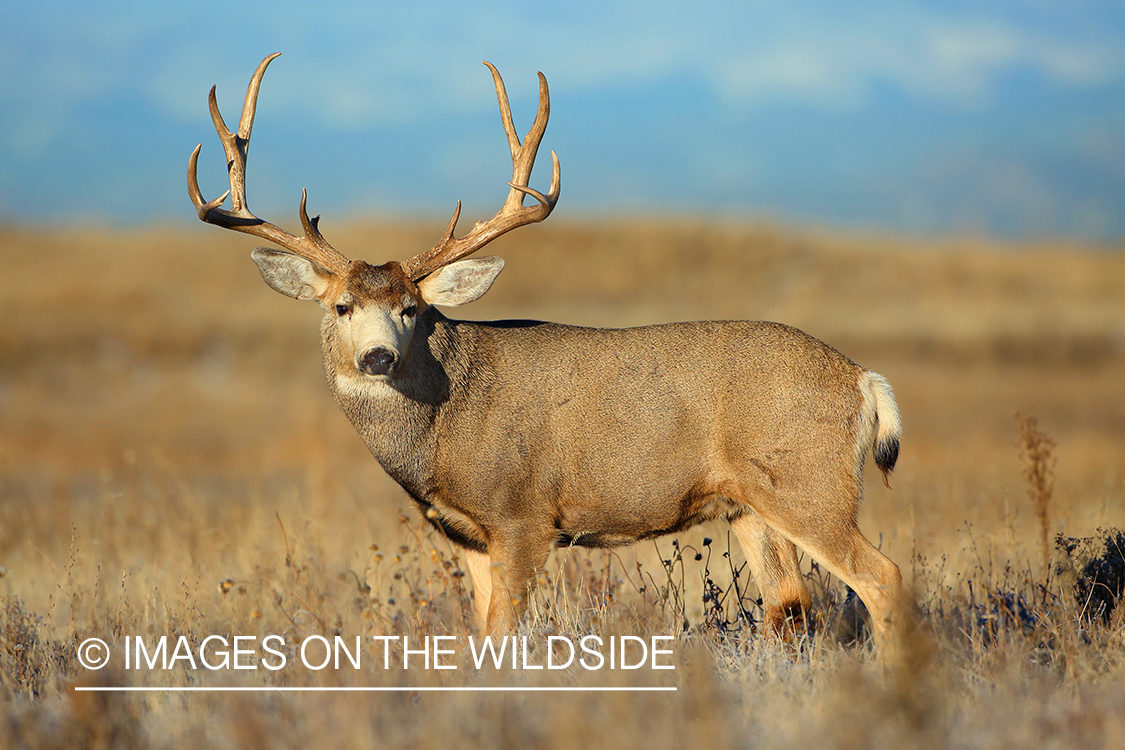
pixel 1097 565
pixel 1036 450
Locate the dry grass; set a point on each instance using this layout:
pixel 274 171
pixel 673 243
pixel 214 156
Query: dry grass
pixel 172 464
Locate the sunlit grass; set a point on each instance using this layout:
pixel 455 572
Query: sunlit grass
pixel 171 464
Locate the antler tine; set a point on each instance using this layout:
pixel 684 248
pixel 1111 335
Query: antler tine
pixel 513 213
pixel 506 108
pixel 312 246
pixel 523 157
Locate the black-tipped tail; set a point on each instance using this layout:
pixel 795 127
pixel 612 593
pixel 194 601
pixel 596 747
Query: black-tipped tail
pixel 888 428
pixel 886 453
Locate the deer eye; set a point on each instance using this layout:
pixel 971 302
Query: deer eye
pixel 342 310
pixel 410 311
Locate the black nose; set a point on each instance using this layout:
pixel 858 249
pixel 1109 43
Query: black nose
pixel 377 361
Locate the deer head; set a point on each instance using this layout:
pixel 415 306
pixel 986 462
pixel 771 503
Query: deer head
pixel 371 311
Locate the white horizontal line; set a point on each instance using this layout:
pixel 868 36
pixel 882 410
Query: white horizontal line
pixel 504 689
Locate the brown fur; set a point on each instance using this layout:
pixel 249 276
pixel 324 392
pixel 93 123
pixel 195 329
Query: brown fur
pixel 515 436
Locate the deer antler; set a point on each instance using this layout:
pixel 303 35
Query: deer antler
pixel 513 213
pixel 312 246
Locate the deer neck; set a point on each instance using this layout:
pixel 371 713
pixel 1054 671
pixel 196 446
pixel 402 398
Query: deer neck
pixel 399 419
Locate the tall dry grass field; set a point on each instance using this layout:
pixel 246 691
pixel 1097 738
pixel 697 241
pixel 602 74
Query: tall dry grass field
pixel 171 464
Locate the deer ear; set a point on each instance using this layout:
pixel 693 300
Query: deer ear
pixel 291 274
pixel 461 282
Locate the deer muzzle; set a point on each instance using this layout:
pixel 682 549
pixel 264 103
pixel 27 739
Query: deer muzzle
pixel 377 361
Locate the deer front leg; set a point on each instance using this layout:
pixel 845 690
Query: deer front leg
pixel 480 571
pixel 514 563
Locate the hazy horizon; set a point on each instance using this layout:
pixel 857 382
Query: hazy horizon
pixel 1004 120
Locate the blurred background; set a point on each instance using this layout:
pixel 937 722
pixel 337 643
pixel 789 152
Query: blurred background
pixel 1000 118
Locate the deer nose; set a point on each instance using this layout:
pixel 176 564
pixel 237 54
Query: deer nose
pixel 377 361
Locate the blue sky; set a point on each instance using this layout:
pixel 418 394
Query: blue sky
pixel 961 117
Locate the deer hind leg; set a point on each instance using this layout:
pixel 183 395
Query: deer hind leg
pixel 834 540
pixel 773 562
pixel 871 574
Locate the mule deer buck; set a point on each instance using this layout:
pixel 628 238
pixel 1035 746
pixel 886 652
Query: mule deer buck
pixel 516 436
